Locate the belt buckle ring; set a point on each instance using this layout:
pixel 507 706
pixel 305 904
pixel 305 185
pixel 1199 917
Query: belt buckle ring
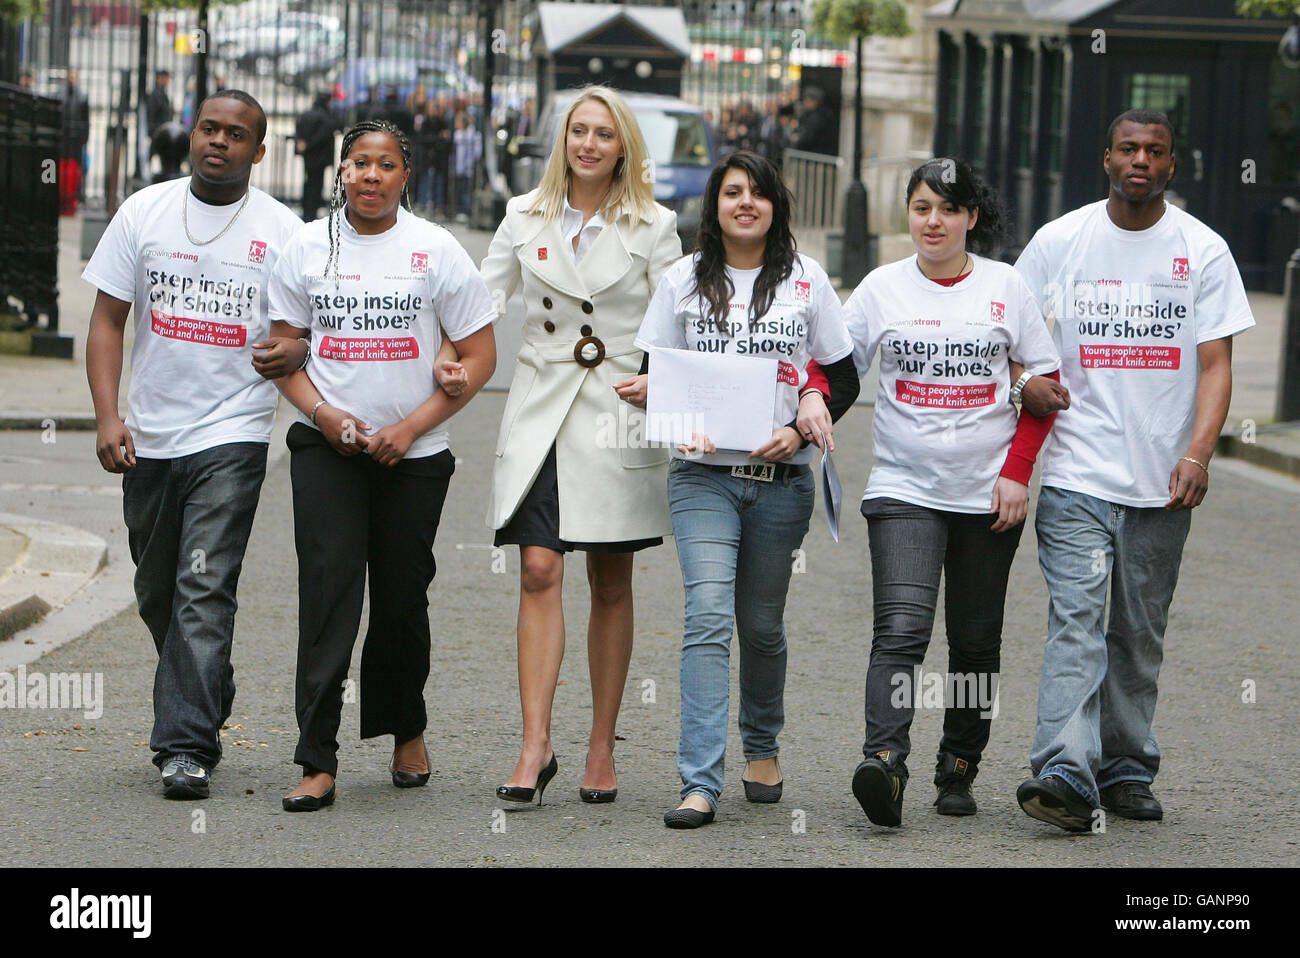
pixel 580 347
pixel 762 472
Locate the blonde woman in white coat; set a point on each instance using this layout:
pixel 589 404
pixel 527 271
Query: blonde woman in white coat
pixel 586 249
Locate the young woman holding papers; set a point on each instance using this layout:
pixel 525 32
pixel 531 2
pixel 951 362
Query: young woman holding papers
pixel 949 485
pixel 738 515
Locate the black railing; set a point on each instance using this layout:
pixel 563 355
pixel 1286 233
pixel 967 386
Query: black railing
pixel 29 221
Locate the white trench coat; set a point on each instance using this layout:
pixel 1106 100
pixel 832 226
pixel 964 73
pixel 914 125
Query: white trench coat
pixel 612 486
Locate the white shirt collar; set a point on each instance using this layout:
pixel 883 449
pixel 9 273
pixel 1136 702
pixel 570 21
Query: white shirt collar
pixel 571 221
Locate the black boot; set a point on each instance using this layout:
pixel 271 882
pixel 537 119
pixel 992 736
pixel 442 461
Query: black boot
pixel 953 777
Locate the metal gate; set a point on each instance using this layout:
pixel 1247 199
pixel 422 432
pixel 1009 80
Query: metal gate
pixel 743 56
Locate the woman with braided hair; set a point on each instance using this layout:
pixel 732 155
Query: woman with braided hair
pixel 377 288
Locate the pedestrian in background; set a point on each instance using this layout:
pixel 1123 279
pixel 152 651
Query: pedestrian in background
pixel 73 136
pixel 467 149
pixel 158 107
pixel 738 516
pixel 314 134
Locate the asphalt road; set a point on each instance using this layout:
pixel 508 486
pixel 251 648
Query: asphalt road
pixel 79 791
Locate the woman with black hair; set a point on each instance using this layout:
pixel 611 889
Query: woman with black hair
pixel 739 515
pixel 949 485
pixel 377 288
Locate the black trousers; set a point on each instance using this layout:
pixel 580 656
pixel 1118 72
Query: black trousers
pixel 312 183
pixel 352 515
pixel 911 546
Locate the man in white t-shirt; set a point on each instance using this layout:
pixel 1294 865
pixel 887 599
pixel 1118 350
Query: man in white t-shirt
pixel 1146 300
pixel 194 256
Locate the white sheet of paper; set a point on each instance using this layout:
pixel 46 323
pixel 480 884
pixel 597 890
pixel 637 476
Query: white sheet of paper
pixel 832 494
pixel 731 399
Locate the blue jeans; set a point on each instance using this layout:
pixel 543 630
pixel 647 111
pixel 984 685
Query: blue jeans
pixel 735 539
pixel 188 521
pixel 1097 694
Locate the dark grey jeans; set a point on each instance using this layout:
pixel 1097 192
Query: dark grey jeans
pixel 188 521
pixel 910 546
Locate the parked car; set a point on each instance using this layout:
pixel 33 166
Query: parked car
pixel 231 32
pixel 316 53
pixel 257 47
pixel 353 79
pixel 680 145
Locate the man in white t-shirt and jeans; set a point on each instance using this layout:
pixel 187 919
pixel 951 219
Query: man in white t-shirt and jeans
pixel 1146 300
pixel 194 256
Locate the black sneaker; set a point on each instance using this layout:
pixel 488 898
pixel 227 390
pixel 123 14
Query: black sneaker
pixel 184 778
pixel 953 777
pixel 879 790
pixel 1132 800
pixel 1051 799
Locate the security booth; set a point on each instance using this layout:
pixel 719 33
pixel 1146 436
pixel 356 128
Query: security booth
pixel 1027 88
pixel 635 49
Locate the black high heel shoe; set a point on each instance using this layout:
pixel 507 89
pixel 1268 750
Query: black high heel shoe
pixel 517 793
pixel 597 796
pixel 410 779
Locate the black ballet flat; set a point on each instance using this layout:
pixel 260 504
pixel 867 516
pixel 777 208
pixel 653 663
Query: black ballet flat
pixel 687 818
pixel 307 803
pixel 518 793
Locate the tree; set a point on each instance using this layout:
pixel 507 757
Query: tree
pixel 16 11
pixel 844 20
pixel 1267 8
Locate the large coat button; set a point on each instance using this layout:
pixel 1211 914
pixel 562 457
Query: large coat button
pixel 549 326
pixel 586 330
pixel 587 308
pixel 546 301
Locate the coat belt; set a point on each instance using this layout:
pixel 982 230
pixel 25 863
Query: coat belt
pixel 562 351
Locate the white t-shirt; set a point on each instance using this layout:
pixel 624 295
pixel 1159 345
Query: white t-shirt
pixel 376 333
pixel 944 420
pixel 1130 308
pixel 803 322
pixel 198 309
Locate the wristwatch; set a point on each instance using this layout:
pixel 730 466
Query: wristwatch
pixel 1020 385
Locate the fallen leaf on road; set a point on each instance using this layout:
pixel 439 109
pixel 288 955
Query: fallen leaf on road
pixel 80 749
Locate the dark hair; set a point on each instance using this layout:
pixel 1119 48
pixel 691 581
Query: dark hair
pixel 712 284
pixel 350 137
pixel 957 183
pixel 245 98
pixel 1145 118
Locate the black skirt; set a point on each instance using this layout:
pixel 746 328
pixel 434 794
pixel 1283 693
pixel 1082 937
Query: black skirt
pixel 537 520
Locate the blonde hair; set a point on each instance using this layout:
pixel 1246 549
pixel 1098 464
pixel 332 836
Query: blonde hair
pixel 629 193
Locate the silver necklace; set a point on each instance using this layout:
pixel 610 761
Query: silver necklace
pixel 185 220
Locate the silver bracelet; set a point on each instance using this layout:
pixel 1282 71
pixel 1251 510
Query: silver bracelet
pixel 1020 385
pixel 313 411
